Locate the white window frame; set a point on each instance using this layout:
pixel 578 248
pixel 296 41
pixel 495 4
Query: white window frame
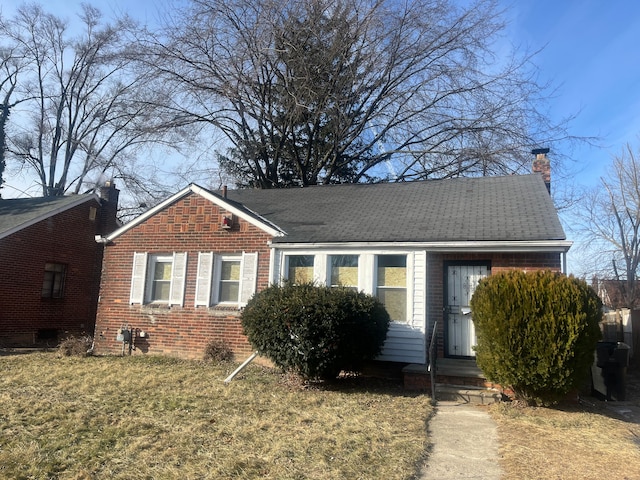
pixel 154 260
pixel 142 278
pixel 407 282
pixel 209 278
pixel 330 257
pixel 367 270
pixel 220 259
pixel 316 263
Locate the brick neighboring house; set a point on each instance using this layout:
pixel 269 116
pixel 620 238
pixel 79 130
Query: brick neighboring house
pixel 50 264
pixel 178 275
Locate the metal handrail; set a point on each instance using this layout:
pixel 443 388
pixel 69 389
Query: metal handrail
pixel 432 362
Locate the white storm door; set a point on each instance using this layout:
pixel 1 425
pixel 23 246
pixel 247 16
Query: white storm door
pixel 462 281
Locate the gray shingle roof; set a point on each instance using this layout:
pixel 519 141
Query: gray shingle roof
pixel 512 208
pixel 17 213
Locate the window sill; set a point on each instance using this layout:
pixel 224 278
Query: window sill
pixel 155 308
pixel 225 310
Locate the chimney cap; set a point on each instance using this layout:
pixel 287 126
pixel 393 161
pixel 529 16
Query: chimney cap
pixel 538 151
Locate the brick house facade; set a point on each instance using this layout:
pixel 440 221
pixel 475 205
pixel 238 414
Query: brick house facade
pixel 178 275
pixel 50 265
pixel 192 225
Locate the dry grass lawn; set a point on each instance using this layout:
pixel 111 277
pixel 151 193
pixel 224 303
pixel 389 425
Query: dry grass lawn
pixel 588 441
pixel 161 418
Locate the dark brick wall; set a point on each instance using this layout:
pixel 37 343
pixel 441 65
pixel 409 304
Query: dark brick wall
pixel 66 238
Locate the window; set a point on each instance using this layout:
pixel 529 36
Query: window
pixel 391 285
pixel 300 268
pixel 158 278
pixel 344 271
pixel 53 283
pixel 231 281
pixel 160 288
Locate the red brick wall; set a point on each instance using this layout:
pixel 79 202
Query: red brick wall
pixel 66 238
pixel 190 225
pixel 498 261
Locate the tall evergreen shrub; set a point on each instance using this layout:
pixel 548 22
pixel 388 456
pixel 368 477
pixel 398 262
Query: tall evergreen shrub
pixel 537 332
pixel 315 331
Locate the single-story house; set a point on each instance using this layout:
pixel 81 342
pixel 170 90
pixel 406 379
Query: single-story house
pixel 50 264
pixel 178 276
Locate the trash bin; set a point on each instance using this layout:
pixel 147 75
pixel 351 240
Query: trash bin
pixel 610 369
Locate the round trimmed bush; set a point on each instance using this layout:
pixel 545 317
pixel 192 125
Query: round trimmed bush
pixel 315 331
pixel 537 332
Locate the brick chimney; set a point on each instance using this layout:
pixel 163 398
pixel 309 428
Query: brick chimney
pixel 542 165
pixel 109 195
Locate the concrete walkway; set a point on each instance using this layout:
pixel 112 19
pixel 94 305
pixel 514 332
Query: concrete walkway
pixel 464 443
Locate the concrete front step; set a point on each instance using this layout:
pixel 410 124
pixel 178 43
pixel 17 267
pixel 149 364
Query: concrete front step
pixel 457 367
pixel 464 394
pixel 457 379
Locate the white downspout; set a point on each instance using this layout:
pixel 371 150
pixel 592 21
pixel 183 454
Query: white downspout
pixel 241 367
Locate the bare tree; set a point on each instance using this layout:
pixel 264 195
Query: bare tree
pixel 609 221
pixel 11 65
pixel 85 107
pixel 326 91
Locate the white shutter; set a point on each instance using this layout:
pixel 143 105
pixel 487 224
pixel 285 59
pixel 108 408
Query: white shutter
pixel 176 297
pixel 204 277
pixel 138 275
pixel 248 276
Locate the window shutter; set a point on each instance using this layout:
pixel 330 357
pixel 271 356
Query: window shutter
pixel 204 277
pixel 176 296
pixel 138 274
pixel 249 276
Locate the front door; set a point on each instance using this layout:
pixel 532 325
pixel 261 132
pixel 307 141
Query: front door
pixel 461 282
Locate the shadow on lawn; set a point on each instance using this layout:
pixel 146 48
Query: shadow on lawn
pixel 627 410
pixel 4 352
pixel 375 378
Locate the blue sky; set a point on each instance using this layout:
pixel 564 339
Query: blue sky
pixel 590 51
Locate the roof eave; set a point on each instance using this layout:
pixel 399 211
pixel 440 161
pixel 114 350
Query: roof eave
pixel 493 246
pixel 192 188
pixel 81 199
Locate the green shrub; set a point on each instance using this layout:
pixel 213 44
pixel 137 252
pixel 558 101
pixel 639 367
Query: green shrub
pixel 315 331
pixel 537 332
pixel 218 351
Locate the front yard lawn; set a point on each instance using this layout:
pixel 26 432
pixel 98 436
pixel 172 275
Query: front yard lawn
pixel 587 441
pixel 162 418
